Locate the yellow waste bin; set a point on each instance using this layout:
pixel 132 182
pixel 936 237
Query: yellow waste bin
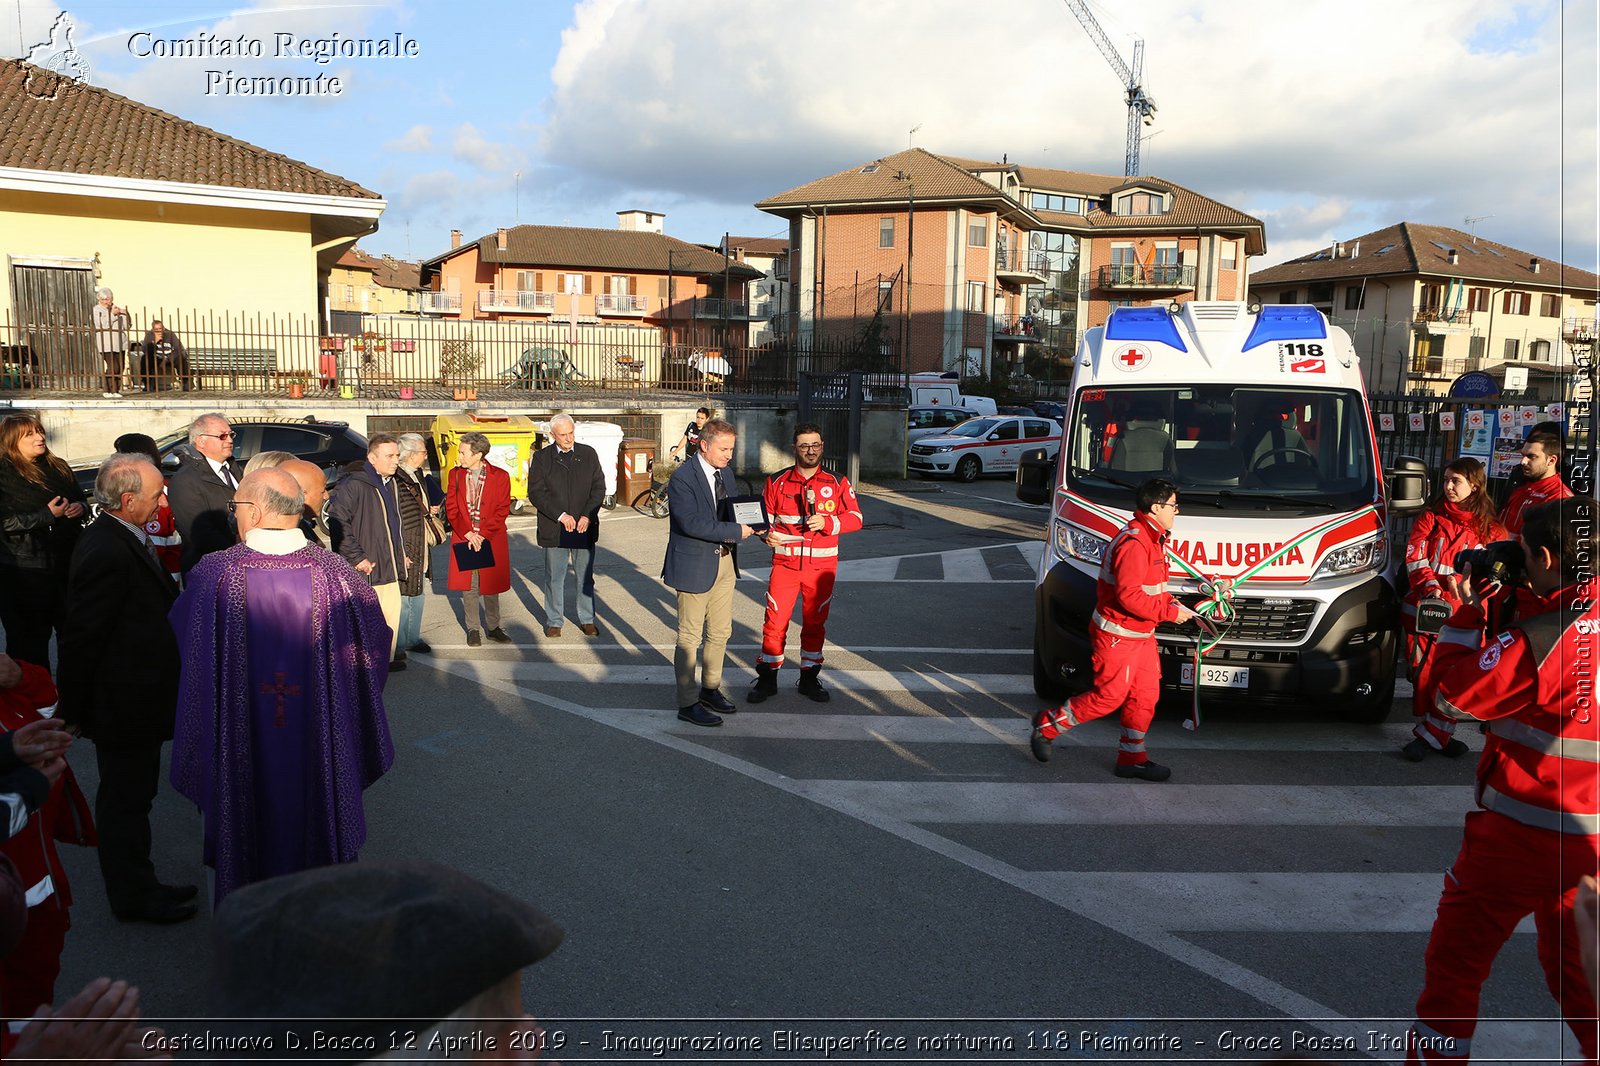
pixel 512 441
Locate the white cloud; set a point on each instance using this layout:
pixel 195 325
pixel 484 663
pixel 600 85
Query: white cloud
pixel 415 139
pixel 470 146
pixel 1366 112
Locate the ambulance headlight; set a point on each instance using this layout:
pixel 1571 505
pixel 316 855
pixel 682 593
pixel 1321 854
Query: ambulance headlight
pixel 1073 543
pixel 943 449
pixel 1355 558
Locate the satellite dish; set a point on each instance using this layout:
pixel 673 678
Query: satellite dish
pixel 1036 240
pixel 1035 305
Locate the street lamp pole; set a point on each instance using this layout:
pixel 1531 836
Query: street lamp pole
pixel 911 232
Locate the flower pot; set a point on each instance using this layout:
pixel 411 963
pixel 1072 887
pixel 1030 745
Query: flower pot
pixel 297 390
pixel 347 392
pixel 458 393
pixel 472 394
pixel 408 392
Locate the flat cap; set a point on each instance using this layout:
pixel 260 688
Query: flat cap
pixel 352 944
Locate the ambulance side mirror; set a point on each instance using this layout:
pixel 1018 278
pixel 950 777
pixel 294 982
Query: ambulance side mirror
pixel 1408 485
pixel 1035 476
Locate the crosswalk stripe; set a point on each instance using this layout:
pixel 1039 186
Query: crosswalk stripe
pixel 876 681
pixel 960 565
pixel 1009 727
pixel 1053 803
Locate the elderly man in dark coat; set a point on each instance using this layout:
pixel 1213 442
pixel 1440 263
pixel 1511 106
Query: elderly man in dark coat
pixel 566 485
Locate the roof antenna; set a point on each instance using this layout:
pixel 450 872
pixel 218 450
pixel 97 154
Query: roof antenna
pixel 1473 220
pixel 912 133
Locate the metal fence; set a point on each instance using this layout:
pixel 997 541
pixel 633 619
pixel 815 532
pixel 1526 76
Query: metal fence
pixel 407 357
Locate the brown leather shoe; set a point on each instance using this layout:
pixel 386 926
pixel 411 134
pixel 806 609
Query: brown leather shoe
pixel 590 629
pixel 552 631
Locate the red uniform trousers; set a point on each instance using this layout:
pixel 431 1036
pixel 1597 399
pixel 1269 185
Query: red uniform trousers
pixel 1432 726
pixel 28 975
pixel 814 586
pixel 1127 677
pixel 1506 871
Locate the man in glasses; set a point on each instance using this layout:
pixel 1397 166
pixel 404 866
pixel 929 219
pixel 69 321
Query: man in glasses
pixel 199 492
pixel 809 508
pixel 1131 599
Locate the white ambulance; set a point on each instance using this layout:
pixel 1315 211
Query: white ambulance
pixel 1260 418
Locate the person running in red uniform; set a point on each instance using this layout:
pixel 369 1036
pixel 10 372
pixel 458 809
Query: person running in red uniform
pixel 1462 518
pixel 809 508
pixel 1541 458
pixel 1131 599
pixel 1536 831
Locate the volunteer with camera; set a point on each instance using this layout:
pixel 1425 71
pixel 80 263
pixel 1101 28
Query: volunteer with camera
pixel 1537 831
pixel 1462 518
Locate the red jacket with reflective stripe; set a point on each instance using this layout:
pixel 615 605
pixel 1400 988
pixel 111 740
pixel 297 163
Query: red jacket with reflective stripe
pixel 1131 597
pixel 790 498
pixel 1531 495
pixel 1436 539
pixel 1541 761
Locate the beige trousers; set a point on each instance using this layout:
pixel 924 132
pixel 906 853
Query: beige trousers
pixel 705 622
pixel 389 601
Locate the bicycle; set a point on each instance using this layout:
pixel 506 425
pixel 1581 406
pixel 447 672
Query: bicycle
pixel 653 500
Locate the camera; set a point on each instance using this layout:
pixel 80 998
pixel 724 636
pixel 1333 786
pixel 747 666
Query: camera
pixel 1499 561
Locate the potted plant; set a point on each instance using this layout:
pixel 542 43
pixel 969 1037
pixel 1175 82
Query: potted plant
pixel 297 386
pixel 459 363
pixel 408 392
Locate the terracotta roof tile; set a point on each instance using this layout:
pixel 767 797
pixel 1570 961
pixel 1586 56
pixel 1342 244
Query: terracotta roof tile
pixel 764 246
pixel 599 249
pixel 952 177
pixel 398 274
pixel 85 129
pixel 1413 248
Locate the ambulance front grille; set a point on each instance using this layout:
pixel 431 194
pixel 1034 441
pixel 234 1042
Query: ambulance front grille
pixel 1278 620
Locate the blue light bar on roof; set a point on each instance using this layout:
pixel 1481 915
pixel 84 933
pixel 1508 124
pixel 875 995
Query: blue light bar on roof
pixel 1143 324
pixel 1286 322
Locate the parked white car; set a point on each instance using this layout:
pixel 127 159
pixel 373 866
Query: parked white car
pixel 986 445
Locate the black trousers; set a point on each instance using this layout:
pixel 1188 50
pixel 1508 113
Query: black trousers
pixel 129 776
pixel 30 609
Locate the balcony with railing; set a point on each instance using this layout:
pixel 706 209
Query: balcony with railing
pixel 440 303
pixel 1013 329
pixel 717 307
pixel 621 304
pixel 514 300
pixel 1443 319
pixel 1021 265
pixel 1152 277
pixel 1576 330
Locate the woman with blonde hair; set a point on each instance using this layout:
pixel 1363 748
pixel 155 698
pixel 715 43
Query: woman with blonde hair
pixel 41 515
pixel 1461 518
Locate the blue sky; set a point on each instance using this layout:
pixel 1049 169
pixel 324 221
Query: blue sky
pixel 1326 119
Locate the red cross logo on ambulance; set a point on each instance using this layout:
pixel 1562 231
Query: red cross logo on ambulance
pixel 1131 357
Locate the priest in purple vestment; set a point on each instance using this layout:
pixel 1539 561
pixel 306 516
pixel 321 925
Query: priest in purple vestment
pixel 281 724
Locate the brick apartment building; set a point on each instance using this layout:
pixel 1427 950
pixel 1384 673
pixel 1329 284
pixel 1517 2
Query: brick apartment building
pixel 994 268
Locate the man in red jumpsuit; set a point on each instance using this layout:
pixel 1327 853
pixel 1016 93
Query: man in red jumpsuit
pixel 1541 459
pixel 808 508
pixel 1537 830
pixel 1131 599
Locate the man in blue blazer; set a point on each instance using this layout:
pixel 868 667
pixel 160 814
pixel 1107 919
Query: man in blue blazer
pixel 701 566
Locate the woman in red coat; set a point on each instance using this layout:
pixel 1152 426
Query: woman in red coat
pixel 477 502
pixel 1461 518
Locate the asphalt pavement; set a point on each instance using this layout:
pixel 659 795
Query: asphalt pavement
pixel 893 859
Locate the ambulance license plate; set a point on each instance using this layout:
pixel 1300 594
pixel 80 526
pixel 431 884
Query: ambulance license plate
pixel 1217 676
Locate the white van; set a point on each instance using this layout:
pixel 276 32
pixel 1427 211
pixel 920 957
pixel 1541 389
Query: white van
pixel 1261 421
pixel 945 390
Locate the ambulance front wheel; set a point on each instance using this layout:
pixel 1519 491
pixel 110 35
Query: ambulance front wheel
pixel 1045 686
pixel 968 468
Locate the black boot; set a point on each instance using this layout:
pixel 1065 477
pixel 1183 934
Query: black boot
pixel 766 685
pixel 810 687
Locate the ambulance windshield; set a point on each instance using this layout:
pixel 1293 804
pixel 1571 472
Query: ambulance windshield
pixel 1245 447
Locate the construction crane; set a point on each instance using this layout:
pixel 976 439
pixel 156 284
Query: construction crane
pixel 1141 107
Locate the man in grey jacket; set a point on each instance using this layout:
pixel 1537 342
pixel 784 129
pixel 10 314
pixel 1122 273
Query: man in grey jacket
pixel 364 526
